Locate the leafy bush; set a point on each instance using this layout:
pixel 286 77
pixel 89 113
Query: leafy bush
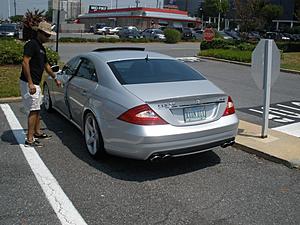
pixel 76 39
pixel 289 46
pixel 218 44
pixel 172 36
pixel 52 56
pixel 229 54
pixel 245 46
pixel 11 52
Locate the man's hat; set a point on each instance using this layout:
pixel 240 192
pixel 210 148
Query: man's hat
pixel 46 27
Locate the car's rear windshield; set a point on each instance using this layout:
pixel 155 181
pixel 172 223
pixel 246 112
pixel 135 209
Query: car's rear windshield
pixel 141 71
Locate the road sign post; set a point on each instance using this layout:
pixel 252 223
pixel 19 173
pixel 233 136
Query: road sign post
pixel 265 70
pixel 208 34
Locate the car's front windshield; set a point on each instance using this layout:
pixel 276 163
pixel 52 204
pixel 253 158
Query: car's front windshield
pixel 140 71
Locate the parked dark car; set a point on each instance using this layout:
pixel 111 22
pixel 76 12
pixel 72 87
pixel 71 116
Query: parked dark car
pixel 187 33
pixel 235 35
pixel 253 36
pixel 127 33
pixel 9 30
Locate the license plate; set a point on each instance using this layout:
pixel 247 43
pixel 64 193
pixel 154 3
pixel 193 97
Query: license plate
pixel 194 114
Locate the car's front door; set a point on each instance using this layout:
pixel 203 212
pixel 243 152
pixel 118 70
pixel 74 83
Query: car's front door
pixel 80 89
pixel 59 93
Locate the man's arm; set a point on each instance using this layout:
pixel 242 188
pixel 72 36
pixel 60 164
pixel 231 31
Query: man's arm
pixel 26 70
pixel 52 74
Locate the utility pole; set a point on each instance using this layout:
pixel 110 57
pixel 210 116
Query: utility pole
pixel 57 25
pixel 15 5
pixel 186 5
pixel 156 3
pixel 137 3
pixel 116 4
pixel 80 7
pixel 219 17
pixel 8 1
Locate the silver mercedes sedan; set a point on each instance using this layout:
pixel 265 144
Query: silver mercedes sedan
pixel 143 105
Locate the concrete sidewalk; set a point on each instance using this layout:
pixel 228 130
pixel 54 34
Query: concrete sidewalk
pixel 278 147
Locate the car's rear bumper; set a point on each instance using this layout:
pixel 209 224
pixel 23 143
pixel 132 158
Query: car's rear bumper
pixel 142 142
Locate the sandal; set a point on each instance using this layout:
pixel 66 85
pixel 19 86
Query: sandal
pixel 33 144
pixel 42 136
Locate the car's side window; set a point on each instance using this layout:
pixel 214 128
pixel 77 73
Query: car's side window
pixel 71 66
pixel 87 70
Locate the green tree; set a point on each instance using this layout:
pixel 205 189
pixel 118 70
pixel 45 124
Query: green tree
pixel 48 15
pixel 213 7
pixel 271 12
pixel 16 19
pixel 249 12
pixel 297 10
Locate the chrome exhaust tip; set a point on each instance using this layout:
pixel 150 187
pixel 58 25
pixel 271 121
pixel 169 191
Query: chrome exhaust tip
pixel 155 158
pixel 227 144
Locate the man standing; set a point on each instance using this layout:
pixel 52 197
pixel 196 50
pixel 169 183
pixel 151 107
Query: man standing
pixel 33 65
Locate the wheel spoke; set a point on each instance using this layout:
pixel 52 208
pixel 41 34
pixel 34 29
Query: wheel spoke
pixel 90 127
pixel 90 140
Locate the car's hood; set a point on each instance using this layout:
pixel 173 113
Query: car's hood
pixel 171 90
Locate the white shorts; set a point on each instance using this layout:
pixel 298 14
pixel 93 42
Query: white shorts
pixel 31 102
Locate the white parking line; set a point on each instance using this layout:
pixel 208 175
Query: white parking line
pixel 63 207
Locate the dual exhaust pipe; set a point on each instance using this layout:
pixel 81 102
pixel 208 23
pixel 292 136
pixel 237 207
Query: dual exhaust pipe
pixel 159 157
pixel 155 158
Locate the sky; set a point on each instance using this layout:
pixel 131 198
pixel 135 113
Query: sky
pixel 23 5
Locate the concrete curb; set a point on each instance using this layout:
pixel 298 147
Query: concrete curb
pixel 10 100
pixel 245 64
pixel 258 153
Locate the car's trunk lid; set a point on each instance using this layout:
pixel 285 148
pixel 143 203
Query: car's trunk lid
pixel 182 103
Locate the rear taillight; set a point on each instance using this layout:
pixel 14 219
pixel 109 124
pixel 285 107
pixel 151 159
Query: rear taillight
pixel 142 115
pixel 229 108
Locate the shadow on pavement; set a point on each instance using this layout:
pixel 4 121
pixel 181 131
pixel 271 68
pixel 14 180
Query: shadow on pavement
pixel 122 168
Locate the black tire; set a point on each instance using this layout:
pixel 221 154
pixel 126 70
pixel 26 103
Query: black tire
pixel 47 98
pixel 92 137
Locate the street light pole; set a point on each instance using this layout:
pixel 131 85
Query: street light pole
pixel 15 5
pixel 57 25
pixel 219 17
pixel 8 1
pixel 116 4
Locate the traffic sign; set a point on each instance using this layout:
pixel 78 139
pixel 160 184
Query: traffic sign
pixel 260 59
pixel 208 34
pixel 265 70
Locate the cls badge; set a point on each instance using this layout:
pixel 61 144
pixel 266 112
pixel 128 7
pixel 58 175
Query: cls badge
pixel 166 105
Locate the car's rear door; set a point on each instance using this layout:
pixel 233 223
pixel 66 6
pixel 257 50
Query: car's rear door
pixel 80 89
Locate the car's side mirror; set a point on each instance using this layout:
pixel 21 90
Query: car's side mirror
pixel 55 68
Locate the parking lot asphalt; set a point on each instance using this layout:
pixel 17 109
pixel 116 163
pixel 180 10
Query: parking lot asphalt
pixel 277 146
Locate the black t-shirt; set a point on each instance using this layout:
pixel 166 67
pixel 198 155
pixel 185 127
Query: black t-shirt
pixel 37 52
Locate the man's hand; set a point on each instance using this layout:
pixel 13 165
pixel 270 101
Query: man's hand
pixel 32 89
pixel 58 83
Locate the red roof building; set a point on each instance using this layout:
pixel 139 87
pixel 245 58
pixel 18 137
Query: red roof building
pixel 140 17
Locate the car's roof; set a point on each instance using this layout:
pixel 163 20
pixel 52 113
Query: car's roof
pixel 116 55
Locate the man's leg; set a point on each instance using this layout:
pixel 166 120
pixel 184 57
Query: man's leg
pixel 32 118
pixel 37 127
